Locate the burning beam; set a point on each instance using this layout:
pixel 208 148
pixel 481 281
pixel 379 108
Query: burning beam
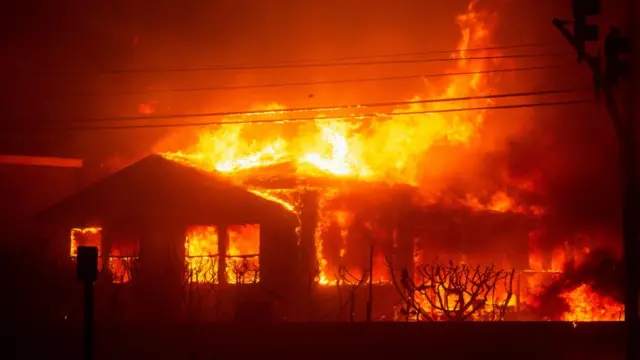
pixel 40 161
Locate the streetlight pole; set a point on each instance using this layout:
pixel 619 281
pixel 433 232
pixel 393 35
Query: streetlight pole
pixel 87 271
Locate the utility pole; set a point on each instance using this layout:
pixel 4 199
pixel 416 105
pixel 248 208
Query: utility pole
pixel 615 46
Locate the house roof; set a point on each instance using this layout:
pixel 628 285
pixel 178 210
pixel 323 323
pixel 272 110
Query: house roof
pixel 285 175
pixel 158 189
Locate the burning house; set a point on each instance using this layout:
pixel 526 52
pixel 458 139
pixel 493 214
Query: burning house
pixel 353 233
pixel 343 213
pixel 170 231
pixel 160 224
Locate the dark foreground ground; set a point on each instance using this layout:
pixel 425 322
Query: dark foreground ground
pixel 515 341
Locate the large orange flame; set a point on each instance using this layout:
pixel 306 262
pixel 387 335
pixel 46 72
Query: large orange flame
pixel 587 305
pixel 393 147
pixel 383 148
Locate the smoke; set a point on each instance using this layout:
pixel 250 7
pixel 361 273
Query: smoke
pixel 570 161
pixel 561 159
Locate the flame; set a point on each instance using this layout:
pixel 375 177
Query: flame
pixel 501 202
pixel 389 147
pixel 119 263
pixel 584 304
pixel 386 147
pixel 324 272
pixel 120 266
pixel 271 196
pixel 394 146
pixel 202 247
pixel 90 236
pixel 243 254
pixel 587 305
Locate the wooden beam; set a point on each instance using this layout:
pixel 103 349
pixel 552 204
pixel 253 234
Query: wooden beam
pixel 40 161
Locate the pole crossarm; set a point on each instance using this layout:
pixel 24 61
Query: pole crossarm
pixel 598 77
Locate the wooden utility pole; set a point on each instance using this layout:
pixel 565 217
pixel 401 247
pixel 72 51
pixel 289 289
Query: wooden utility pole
pixel 626 132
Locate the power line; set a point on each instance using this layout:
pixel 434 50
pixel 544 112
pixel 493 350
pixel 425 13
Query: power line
pixel 380 62
pixel 344 118
pixel 331 108
pixel 388 55
pixel 307 83
pixel 278 66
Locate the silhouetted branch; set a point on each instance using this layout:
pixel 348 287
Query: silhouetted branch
pixel 200 274
pixel 406 290
pixel 243 269
pixel 123 268
pixel 455 292
pixel 353 283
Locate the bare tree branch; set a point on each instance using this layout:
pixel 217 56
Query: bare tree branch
pixel 455 292
pixel 353 283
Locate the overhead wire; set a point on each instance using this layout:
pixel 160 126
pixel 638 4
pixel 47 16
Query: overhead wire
pixel 332 64
pixel 288 66
pixel 307 83
pixel 361 117
pixel 401 54
pixel 325 108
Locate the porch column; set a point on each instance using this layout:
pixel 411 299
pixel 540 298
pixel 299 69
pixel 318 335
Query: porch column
pixel 223 244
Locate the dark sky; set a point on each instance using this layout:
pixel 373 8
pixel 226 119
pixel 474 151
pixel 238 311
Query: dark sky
pixel 92 36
